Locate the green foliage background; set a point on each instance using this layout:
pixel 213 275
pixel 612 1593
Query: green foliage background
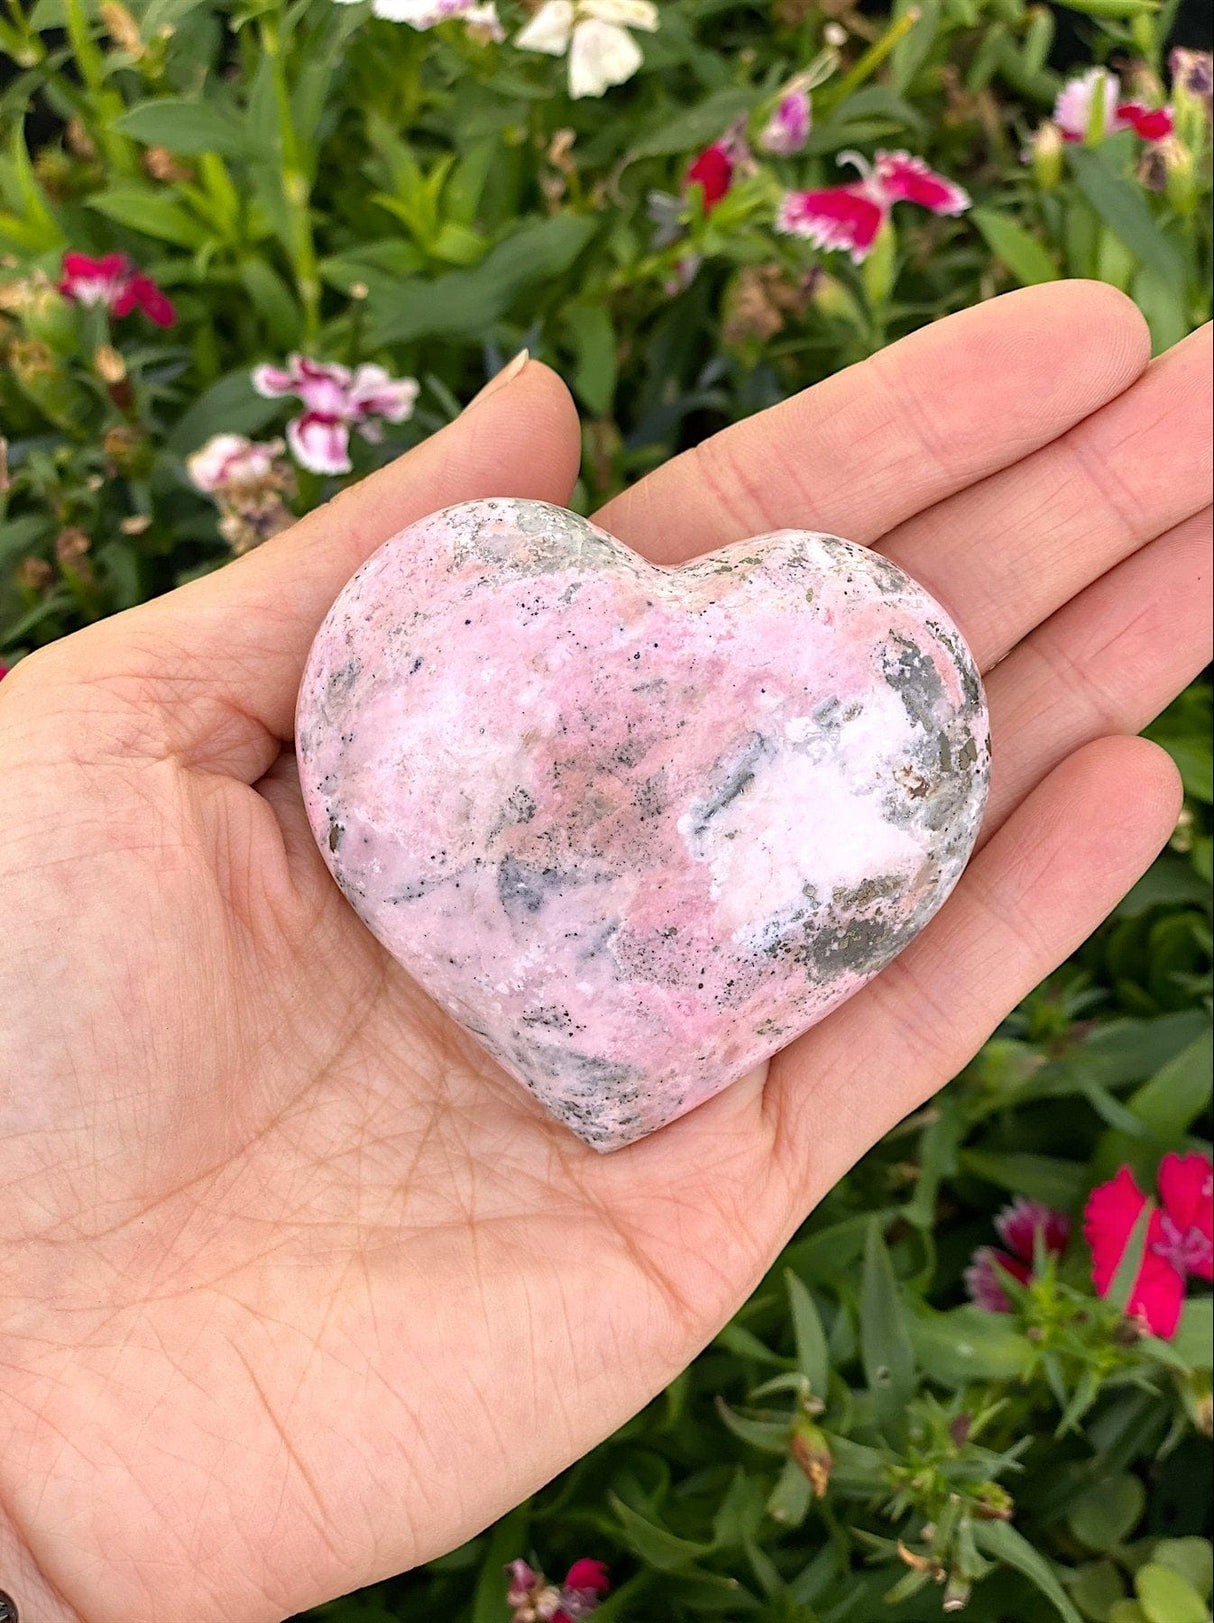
pixel 304 176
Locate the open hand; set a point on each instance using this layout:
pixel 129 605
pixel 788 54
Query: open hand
pixel 296 1288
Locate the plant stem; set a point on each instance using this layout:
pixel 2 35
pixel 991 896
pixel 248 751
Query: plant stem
pixel 296 188
pixel 873 57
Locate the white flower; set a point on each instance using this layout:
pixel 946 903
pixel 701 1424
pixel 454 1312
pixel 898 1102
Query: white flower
pixel 481 20
pixel 595 33
pixel 228 460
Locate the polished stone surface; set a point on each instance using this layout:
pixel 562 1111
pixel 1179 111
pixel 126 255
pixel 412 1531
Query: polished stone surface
pixel 634 827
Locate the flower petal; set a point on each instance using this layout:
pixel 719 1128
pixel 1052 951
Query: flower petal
pixel 1019 1223
pixel 320 444
pixel 587 1574
pixel 1186 1186
pixel 374 393
pixel 549 30
pixel 420 14
pixel 712 172
pixel 985 1274
pixel 144 295
pixel 787 130
pixel 1149 123
pixel 1158 1293
pixel 837 217
pixel 909 180
pixel 273 381
pixel 624 13
pixel 1073 108
pixel 1108 1220
pixel 601 55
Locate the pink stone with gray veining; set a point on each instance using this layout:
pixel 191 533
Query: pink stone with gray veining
pixel 636 827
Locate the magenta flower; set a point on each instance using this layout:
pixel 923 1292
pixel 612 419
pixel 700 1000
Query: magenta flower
pixel 1180 1237
pixel 849 217
pixel 113 282
pixel 534 1600
pixel 787 130
pixel 335 401
pixel 1073 111
pixel 1018 1226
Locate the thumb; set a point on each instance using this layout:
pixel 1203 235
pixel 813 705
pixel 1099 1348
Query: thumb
pixel 213 667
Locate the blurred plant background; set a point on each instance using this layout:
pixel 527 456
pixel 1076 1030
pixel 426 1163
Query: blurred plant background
pixel 251 249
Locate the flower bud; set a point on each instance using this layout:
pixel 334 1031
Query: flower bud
pixel 1045 151
pixel 812 1453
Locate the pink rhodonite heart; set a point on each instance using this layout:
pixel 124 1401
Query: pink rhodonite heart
pixel 635 827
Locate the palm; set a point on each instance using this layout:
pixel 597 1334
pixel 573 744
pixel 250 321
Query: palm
pixel 305 1290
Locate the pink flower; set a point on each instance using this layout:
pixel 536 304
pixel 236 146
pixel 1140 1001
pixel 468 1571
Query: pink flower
pixel 1074 109
pixel 787 130
pixel 335 400
pixel 1018 1225
pixel 849 217
pixel 112 281
pixel 535 1600
pixel 232 459
pixel 3 671
pixel 1179 1242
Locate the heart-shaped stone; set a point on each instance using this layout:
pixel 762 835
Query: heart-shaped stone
pixel 637 827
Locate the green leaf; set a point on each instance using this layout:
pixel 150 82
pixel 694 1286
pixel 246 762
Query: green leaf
pixel 1121 1286
pixel 593 338
pixel 1002 1541
pixel 1194 1338
pixel 885 1345
pixel 967 1344
pixel 769 1433
pixel 789 1500
pixel 696 127
pixel 231 406
pixel 660 1548
pixel 813 1358
pixel 1175 1096
pixel 1192 1558
pixel 1026 258
pixel 141 209
pixel 1166 1597
pixel 1104 1518
pixel 184 124
pixel 505 1543
pixel 1122 208
pixel 1116 9
pixel 467 303
pixel 1095 1587
pixel 1039 1177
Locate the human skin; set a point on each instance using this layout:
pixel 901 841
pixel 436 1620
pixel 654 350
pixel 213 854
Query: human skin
pixel 296 1288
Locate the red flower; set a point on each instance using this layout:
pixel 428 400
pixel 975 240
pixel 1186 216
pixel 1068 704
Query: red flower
pixel 112 281
pixel 1149 123
pixel 1018 1226
pixel 1178 1243
pixel 713 172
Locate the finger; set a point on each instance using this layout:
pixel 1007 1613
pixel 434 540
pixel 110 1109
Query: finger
pixel 1047 879
pixel 865 449
pixel 214 667
pixel 1108 662
pixel 1006 553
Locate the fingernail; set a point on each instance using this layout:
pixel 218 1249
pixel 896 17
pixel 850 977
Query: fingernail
pixel 500 379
